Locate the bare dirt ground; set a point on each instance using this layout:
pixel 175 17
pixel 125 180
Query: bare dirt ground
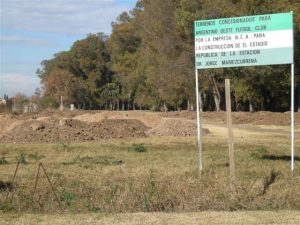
pixel 199 218
pixel 78 126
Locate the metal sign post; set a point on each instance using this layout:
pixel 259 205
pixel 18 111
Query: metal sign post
pixel 292 119
pixel 199 133
pixel 292 107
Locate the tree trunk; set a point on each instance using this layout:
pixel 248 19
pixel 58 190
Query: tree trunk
pixel 263 105
pixel 216 94
pixel 251 107
pixel 201 102
pixel 123 105
pixel 298 98
pixel 165 107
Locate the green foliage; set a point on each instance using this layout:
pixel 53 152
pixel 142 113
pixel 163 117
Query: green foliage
pixel 259 152
pixel 61 145
pixel 3 161
pixel 151 193
pixel 36 156
pixel 48 102
pixel 138 148
pixel 21 158
pixel 148 61
pixel 67 197
pixel 98 160
pixel 7 207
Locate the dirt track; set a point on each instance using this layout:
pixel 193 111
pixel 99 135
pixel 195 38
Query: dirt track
pixel 81 126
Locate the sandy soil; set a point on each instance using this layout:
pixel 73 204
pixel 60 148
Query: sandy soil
pixel 197 218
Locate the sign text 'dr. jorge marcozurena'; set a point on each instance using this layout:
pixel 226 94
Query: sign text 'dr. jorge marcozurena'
pixel 244 41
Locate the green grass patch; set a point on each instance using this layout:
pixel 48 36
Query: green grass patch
pixel 137 148
pixel 36 156
pixel 98 160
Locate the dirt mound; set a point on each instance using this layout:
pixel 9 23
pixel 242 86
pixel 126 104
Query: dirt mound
pixel 35 131
pixel 91 118
pixel 72 123
pixel 7 123
pixel 78 126
pixel 255 118
pixel 176 127
pixel 150 119
pixel 118 128
pixel 189 115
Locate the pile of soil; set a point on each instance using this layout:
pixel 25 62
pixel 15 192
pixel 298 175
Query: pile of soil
pixel 176 127
pixel 91 117
pixel 7 123
pixel 78 126
pixel 70 130
pixel 150 119
pixel 118 128
pixel 255 118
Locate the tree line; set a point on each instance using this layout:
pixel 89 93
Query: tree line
pixel 148 62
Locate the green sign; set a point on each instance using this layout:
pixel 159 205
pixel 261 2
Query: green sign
pixel 244 41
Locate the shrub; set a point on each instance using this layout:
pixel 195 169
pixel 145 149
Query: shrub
pixel 21 158
pixel 3 161
pixel 138 148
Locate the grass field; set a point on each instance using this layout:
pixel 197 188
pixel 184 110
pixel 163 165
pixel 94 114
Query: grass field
pixel 156 174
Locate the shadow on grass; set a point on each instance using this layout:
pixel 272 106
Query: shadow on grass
pixel 279 157
pixel 5 185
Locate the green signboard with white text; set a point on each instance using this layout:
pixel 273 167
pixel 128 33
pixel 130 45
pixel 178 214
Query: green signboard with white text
pixel 244 41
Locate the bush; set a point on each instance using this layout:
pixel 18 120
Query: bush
pixel 67 197
pixel 138 148
pixel 3 161
pixel 48 102
pixel 21 158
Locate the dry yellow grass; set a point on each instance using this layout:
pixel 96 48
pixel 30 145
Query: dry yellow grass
pixel 164 178
pixel 200 218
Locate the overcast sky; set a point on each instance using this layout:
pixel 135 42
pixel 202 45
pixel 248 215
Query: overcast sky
pixel 33 30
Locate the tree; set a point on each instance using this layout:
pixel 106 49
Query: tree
pixel 148 60
pixel 61 83
pixel 110 93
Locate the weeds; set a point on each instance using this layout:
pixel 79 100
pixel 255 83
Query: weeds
pixel 3 161
pixel 100 160
pixel 21 158
pixel 259 152
pixel 150 192
pixel 7 207
pixel 269 180
pixel 63 146
pixel 67 197
pixel 164 179
pixel 137 148
pixel 35 156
